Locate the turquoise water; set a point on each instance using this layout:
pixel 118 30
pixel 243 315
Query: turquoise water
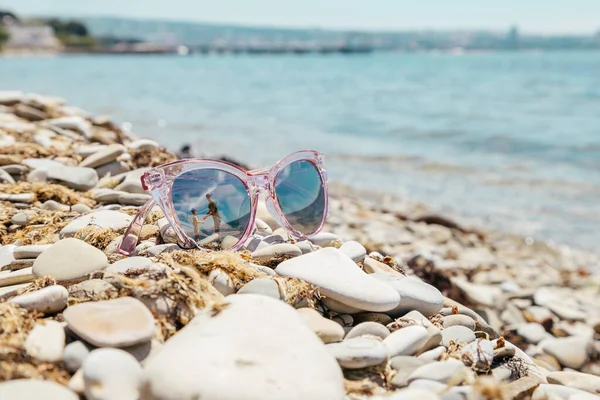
pixel 509 140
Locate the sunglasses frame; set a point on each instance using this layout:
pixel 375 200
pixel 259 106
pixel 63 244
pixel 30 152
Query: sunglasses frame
pixel 158 182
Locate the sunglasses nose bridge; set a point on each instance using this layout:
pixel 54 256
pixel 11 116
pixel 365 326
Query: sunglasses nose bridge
pixel 259 182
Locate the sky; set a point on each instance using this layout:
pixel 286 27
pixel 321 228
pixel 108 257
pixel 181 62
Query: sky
pixel 533 16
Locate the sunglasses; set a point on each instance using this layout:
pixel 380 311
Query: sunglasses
pixel 211 204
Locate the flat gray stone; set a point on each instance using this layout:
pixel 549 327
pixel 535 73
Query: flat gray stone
pixel 571 352
pixel 359 352
pixel 404 366
pixel 119 322
pixel 103 156
pixel 50 299
pixel 78 178
pixel 354 250
pixel 276 250
pixel 406 341
pixel 324 268
pixel 264 286
pixel 458 319
pixel 31 389
pixel 133 199
pixel 74 354
pixel 111 374
pixel 81 208
pixel 414 294
pixel 253 357
pixel 7 254
pixel 442 371
pixel 457 334
pixel 17 198
pixel 46 341
pixel 329 331
pixel 69 259
pixel 533 332
pixel 368 328
pixel 30 251
pixel 102 219
pixel 578 380
pixel 124 265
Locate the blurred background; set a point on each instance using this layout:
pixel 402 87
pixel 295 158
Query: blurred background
pixel 487 110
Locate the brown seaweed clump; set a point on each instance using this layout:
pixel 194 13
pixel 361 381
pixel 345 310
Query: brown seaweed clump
pixel 48 191
pixel 151 157
pixel 41 228
pixel 98 237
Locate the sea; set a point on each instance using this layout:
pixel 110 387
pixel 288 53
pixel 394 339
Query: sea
pixel 505 140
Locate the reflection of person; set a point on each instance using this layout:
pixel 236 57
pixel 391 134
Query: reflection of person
pixel 196 223
pixel 214 212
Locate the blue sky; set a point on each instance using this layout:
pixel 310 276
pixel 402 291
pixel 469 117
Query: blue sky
pixel 541 16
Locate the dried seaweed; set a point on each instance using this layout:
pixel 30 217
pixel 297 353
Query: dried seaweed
pixel 151 157
pixel 98 237
pixel 49 191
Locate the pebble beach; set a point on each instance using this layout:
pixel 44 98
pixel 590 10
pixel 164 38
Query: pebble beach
pixel 390 301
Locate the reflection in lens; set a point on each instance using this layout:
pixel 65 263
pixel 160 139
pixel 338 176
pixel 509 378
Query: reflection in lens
pixel 212 206
pixel 301 196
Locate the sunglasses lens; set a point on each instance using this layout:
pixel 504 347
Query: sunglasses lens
pixel 301 196
pixel 212 206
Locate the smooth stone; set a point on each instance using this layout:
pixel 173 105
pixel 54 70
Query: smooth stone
pixel 46 341
pixel 433 354
pixel 414 295
pixel 442 371
pixel 50 299
pixel 434 338
pixel 305 246
pixel 344 320
pixel 274 239
pixel 532 332
pixel 276 250
pixel 69 259
pixel 92 289
pixel 148 249
pixel 410 394
pixel 78 178
pixel 7 254
pixel 264 286
pixel 9 278
pixel 54 206
pixel 103 156
pixel 119 322
pixel 228 242
pixel 406 341
pixel 416 318
pixel 478 354
pixel 73 123
pixel 29 251
pixel 486 295
pixel 17 198
pixel 81 208
pixel 106 195
pixel 372 266
pixel 539 314
pixel 263 269
pixel 131 182
pixel 457 334
pixel 354 250
pixel 404 366
pixel 87 150
pixel 578 380
pixel 32 389
pixel 262 226
pixel 5 177
pixel 328 330
pixel 380 318
pixel 221 281
pixel 22 218
pixel 74 354
pixel 571 352
pixel 9 291
pixel 114 220
pixel 324 268
pixel 551 392
pixel 203 359
pixel 111 374
pixel 458 319
pixel 567 312
pixel 76 383
pixel 124 265
pixel 336 306
pixel 166 231
pixel 143 144
pixel 112 169
pixel 11 97
pixel 133 199
pixel 359 352
pixel 368 328
pixel 325 239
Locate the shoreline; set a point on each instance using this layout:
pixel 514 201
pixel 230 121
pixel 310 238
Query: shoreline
pixel 391 299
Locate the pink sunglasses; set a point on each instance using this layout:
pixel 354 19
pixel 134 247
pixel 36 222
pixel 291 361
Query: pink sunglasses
pixel 212 204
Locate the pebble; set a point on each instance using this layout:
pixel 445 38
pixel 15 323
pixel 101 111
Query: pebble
pixel 305 246
pixel 434 338
pixel 567 312
pixel 411 394
pixel 324 268
pixel 148 249
pixel 111 323
pixel 457 334
pixel 47 300
pixel 539 314
pixel 433 354
pixel 414 295
pixel 372 266
pixel 276 250
pixel 54 206
pixel 328 330
pixel 449 371
pixel 555 392
pixel 354 250
pixel 325 239
pixel 264 286
pixel 257 358
pixel 337 307
pixel 81 208
pixel 105 195
pixel 74 354
pixel 29 251
pixel 46 341
pixel 406 341
pixel 69 259
pixel 7 254
pixel 17 198
pixel 103 156
pixel 458 319
pixel 532 332
pixel 76 383
pixel 368 328
pixel 143 144
pixel 125 264
pixel 221 281
pixel 30 389
pixel 478 354
pixel 578 380
pixel 9 278
pixel 486 295
pixel 112 169
pixel 73 123
pixel 571 352
pixel 5 177
pixel 133 199
pixel 404 366
pixel 114 220
pixel 23 217
pixel 87 150
pixel 416 318
pixel 111 374
pixel 131 182
pixel 359 352
pixel 78 178
pixel 91 289
pixel 380 318
pixel 262 226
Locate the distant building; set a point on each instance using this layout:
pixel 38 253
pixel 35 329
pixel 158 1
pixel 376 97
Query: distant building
pixel 31 38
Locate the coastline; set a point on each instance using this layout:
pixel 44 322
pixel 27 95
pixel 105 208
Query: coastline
pixel 479 302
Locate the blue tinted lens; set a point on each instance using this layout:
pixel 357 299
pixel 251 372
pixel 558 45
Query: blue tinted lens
pixel 212 206
pixel 301 196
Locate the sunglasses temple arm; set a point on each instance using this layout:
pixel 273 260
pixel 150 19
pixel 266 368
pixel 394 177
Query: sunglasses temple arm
pixel 132 234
